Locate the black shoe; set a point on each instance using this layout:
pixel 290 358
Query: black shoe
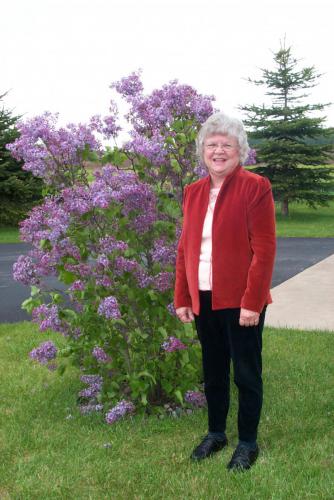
pixel 207 447
pixel 243 458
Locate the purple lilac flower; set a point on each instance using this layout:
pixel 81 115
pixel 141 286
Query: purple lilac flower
pixel 24 271
pixel 77 200
pixel 120 410
pixel 124 265
pixel 201 170
pixel 90 408
pixel 108 245
pixel 195 398
pixel 129 85
pixel 45 261
pixel 164 253
pixel 109 308
pixel 152 148
pixel 91 379
pixel 77 285
pixel 171 309
pixel 46 150
pixel 163 281
pixel 47 318
pixel 100 355
pixel 48 221
pixel 104 281
pixel 44 353
pixel 103 261
pixel 82 269
pixel 143 279
pixel 94 383
pixel 162 105
pixel 107 126
pixel 251 158
pixel 173 344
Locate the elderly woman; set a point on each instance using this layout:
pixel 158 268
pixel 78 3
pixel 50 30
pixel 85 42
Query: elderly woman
pixel 224 267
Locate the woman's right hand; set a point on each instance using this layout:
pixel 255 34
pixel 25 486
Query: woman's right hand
pixel 185 314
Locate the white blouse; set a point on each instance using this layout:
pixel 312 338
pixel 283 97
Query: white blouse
pixel 205 258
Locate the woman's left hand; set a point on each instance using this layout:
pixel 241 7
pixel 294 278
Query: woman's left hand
pixel 248 318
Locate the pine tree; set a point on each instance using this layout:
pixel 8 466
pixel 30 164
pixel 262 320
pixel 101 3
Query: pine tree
pixel 285 132
pixel 19 190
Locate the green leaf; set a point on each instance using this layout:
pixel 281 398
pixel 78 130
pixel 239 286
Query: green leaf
pixel 30 304
pixel 143 399
pixel 179 396
pixel 145 373
pixel 34 290
pixel 67 277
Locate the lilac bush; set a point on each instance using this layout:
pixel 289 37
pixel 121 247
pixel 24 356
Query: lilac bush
pixel 110 236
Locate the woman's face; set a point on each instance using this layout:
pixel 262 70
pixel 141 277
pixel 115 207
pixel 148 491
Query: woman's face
pixel 221 154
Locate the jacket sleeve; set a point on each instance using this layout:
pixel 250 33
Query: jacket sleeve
pixel 261 229
pixel 181 293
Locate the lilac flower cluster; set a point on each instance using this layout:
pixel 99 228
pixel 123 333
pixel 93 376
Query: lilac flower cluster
pixel 108 308
pixel 44 353
pixel 163 281
pixel 78 285
pixel 90 408
pixel 103 261
pixel 171 309
pixel 251 158
pixel 94 383
pixel 45 149
pixel 151 148
pixel 119 411
pixel 100 355
pixel 163 105
pixel 195 398
pixel 173 344
pixel 152 117
pixel 104 281
pixel 108 245
pixel 129 86
pixel 48 221
pixel 107 126
pixel 77 200
pixel 24 271
pixel 164 253
pixel 48 318
pixel 125 189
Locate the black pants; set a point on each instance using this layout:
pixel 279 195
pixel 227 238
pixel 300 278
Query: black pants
pixel 223 339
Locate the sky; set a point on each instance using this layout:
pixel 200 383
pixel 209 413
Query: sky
pixel 62 55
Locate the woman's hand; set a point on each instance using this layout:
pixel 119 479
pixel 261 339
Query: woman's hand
pixel 185 314
pixel 248 318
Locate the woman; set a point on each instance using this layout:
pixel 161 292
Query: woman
pixel 224 267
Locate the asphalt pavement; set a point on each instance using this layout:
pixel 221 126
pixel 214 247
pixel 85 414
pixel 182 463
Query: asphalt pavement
pixel 289 287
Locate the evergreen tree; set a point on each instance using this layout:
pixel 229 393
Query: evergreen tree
pixel 285 132
pixel 19 190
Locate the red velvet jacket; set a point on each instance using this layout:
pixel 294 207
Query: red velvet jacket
pixel 243 243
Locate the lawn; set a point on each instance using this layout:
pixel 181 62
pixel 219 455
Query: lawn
pixel 306 222
pixel 9 234
pixel 50 451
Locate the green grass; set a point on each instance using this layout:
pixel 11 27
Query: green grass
pixel 9 234
pixel 47 455
pixel 306 222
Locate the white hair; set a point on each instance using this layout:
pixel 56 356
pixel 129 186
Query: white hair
pixel 219 123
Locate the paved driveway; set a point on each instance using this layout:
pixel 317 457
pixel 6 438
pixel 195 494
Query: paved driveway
pixel 293 256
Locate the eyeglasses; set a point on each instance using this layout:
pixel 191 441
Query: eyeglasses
pixel 213 146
